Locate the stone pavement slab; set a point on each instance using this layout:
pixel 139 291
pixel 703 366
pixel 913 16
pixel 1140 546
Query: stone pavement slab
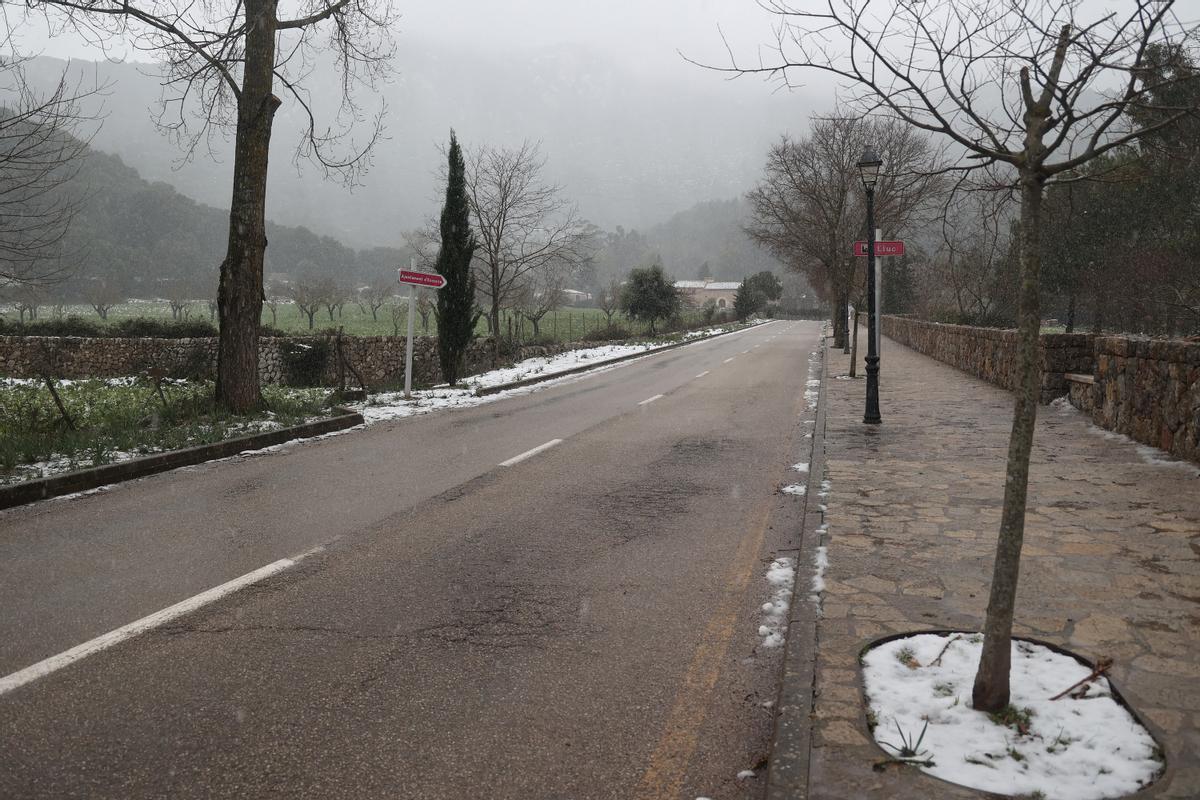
pixel 1110 567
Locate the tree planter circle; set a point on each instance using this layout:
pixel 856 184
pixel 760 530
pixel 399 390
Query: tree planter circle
pixel 1086 745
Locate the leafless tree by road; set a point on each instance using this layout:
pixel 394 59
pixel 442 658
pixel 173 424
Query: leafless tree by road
pixel 1026 92
pixel 522 225
pixel 223 61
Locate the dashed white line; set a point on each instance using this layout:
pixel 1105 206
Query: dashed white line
pixel 650 400
pixel 528 453
pixel 702 374
pixel 158 618
pixel 731 358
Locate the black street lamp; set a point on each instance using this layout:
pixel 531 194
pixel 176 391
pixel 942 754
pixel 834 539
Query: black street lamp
pixel 868 168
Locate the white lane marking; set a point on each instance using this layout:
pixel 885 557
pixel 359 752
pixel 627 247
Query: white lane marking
pixel 649 400
pixel 107 640
pixel 528 453
pixel 731 358
pixel 702 374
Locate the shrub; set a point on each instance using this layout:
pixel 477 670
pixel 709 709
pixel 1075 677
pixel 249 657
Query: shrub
pixel 125 329
pixel 304 361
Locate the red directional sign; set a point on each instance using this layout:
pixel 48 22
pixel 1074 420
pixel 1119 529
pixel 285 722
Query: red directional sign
pixel 430 280
pixel 881 248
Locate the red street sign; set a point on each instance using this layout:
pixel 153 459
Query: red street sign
pixel 429 280
pixel 881 248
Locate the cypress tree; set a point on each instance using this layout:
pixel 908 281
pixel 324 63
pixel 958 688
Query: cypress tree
pixel 455 300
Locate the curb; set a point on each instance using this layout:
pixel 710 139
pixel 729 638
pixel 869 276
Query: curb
pixel 94 477
pixel 791 739
pixel 502 387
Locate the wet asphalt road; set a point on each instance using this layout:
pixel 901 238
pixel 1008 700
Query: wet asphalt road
pixel 581 624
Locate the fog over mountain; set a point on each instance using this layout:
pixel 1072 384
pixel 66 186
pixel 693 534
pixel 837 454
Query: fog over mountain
pixel 631 148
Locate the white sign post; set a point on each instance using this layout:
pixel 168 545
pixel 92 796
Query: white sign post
pixel 414 279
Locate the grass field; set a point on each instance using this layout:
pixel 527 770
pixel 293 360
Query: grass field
pixel 121 418
pixel 564 325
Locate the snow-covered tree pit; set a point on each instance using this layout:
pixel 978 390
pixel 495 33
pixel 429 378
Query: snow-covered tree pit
pixel 1084 746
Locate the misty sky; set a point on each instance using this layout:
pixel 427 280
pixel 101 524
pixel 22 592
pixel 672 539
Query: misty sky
pixel 645 34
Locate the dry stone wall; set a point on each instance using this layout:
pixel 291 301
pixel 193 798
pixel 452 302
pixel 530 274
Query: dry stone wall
pixel 379 359
pixel 1147 389
pixel 991 353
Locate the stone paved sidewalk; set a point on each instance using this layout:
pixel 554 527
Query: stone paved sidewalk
pixel 1111 564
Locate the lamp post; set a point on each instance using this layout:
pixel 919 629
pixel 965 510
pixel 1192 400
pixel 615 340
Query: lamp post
pixel 868 169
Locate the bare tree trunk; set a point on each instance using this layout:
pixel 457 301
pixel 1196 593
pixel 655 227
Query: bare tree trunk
pixel 854 347
pixel 495 318
pixel 846 322
pixel 240 294
pixel 991 690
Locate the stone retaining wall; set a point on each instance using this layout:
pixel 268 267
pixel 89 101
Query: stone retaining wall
pixel 1147 389
pixel 991 353
pixel 380 359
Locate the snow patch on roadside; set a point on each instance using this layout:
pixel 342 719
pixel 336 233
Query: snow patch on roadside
pixel 781 576
pixel 1152 456
pixel 1086 747
pixel 794 489
pixel 801 467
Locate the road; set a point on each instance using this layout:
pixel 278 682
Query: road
pixel 580 623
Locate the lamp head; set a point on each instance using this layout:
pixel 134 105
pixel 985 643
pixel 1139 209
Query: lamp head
pixel 868 167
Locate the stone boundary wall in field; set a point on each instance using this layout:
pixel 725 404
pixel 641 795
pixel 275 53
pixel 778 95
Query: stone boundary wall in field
pixel 380 359
pixel 990 353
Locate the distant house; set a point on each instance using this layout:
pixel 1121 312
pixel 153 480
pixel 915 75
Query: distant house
pixel 697 293
pixel 574 297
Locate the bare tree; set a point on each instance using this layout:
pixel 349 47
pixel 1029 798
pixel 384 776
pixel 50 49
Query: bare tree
pixel 808 210
pixel 40 155
pixel 608 300
pixel 522 225
pixel 542 292
pixel 372 296
pixel 103 293
pixel 223 60
pixel 27 299
pixel 974 258
pixel 1026 90
pixel 308 293
pixel 179 295
pixel 425 308
pixel 276 293
pixel 333 296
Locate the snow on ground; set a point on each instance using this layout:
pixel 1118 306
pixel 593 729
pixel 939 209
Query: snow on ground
pixel 548 365
pixel 1074 749
pixel 392 405
pixel 794 489
pixel 781 576
pixel 801 467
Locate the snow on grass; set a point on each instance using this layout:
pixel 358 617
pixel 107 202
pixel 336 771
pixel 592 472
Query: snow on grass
pixel 801 467
pixel 781 576
pixel 548 365
pixel 1069 749
pixel 392 405
pixel 794 489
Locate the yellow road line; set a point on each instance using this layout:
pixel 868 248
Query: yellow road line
pixel 668 764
